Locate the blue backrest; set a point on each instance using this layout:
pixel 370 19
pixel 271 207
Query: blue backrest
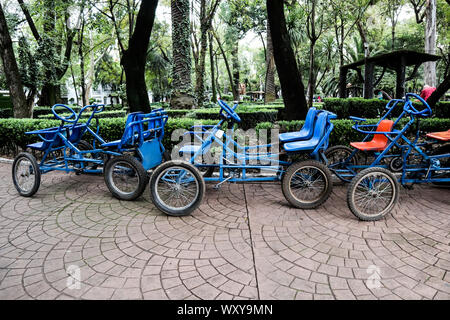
pixel 319 126
pixel 310 117
pixel 130 132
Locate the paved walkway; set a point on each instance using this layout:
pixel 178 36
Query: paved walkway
pixel 244 242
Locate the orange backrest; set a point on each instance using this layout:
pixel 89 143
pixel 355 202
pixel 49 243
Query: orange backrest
pixel 384 126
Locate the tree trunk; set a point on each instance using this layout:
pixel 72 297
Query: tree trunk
pixel 440 91
pixel 200 72
pixel 134 58
pixel 227 65
pixel 12 74
pixel 236 73
pixel 270 92
pixel 182 97
pixel 213 73
pixel 429 67
pixel 292 87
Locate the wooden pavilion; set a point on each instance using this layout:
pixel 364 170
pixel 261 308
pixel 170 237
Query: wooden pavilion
pixel 395 60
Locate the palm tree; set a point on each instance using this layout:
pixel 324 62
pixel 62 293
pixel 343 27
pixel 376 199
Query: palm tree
pixel 181 71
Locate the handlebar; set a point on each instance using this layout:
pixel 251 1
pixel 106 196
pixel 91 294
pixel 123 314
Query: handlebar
pixel 409 108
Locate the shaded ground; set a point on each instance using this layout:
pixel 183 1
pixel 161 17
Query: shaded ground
pixel 243 242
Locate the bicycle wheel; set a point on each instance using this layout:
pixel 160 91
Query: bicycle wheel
pixel 125 177
pixel 307 184
pixel 26 174
pixel 372 193
pixel 177 188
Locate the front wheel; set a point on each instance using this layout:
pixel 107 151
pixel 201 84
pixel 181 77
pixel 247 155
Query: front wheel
pixel 125 177
pixel 372 193
pixel 26 174
pixel 177 188
pixel 307 184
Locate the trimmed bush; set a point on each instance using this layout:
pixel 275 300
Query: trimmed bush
pixel 5 102
pixel 13 137
pixel 373 108
pixel 12 131
pixel 6 113
pixel 104 114
pixel 343 133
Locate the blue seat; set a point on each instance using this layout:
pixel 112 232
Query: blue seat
pixel 310 144
pixel 130 134
pixel 305 132
pixel 49 136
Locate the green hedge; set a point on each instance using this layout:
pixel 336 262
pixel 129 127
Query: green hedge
pixel 12 131
pixel 104 114
pixel 6 113
pixel 47 110
pixel 5 102
pixel 372 108
pixel 343 133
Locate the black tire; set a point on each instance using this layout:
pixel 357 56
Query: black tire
pixel 27 169
pixel 314 168
pixel 337 154
pixel 156 191
pixel 135 171
pixel 366 208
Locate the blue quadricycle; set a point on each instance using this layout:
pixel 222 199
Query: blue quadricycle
pixel 177 186
pixel 76 146
pixel 374 186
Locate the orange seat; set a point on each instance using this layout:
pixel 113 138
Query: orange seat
pixel 443 135
pixel 379 141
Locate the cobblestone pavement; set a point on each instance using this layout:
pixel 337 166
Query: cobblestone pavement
pixel 244 242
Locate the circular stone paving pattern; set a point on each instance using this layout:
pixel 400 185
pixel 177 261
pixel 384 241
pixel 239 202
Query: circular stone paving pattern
pixel 73 240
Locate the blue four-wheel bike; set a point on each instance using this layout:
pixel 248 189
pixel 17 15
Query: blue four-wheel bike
pixel 76 146
pixel 306 183
pixel 396 158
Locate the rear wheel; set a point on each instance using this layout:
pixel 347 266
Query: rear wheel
pixel 26 174
pixel 338 159
pixel 125 177
pixel 307 184
pixel 372 193
pixel 177 188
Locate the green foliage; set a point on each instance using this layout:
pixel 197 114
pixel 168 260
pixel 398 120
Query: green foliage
pixel 104 114
pixel 372 108
pixel 343 133
pixel 6 113
pixel 12 131
pixel 5 102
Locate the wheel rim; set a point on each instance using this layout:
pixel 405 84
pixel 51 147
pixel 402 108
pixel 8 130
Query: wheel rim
pixel 308 184
pixel 25 174
pixel 124 177
pixel 336 159
pixel 374 194
pixel 177 188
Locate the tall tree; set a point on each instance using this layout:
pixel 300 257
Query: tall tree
pixel 314 29
pixel 134 57
pixel 20 107
pixel 54 56
pixel 290 78
pixel 207 11
pixel 426 9
pixel 182 97
pixel 269 90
